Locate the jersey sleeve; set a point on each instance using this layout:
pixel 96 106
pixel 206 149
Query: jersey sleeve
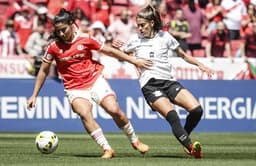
pixel 130 46
pixel 171 41
pixel 49 54
pixel 93 44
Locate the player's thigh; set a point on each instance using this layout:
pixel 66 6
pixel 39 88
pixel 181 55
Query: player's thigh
pixel 186 100
pixel 101 90
pixel 162 105
pixel 82 107
pixel 80 100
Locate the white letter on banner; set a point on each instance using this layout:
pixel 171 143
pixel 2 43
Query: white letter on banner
pixel 73 114
pixel 209 106
pixel 102 113
pixel 223 107
pixel 58 106
pixel 42 107
pixel 131 105
pixel 248 108
pixel 235 109
pixel 23 112
pixel 254 111
pixel 46 106
pixel 39 110
pixel 7 107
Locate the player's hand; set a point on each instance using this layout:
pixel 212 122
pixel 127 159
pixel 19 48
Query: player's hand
pixel 31 102
pixel 143 63
pixel 208 70
pixel 117 44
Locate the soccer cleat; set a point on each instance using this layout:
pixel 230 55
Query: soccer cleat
pixel 108 154
pixel 141 147
pixel 196 150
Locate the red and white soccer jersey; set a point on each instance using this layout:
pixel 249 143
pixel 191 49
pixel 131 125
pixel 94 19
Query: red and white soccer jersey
pixel 74 61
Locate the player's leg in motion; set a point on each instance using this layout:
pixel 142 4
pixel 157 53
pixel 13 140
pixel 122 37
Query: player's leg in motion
pixel 166 109
pixel 84 109
pixel 193 119
pixel 111 105
pixel 186 100
pixel 182 136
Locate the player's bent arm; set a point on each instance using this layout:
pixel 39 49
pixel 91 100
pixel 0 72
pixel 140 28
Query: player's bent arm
pixel 187 57
pixel 117 54
pixel 141 63
pixel 194 61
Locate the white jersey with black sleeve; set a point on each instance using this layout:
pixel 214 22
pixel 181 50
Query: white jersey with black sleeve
pixel 159 50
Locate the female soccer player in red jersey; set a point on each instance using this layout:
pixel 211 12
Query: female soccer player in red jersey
pixel 83 81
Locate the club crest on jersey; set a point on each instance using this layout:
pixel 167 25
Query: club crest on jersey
pixel 80 47
pixel 48 56
pixel 151 54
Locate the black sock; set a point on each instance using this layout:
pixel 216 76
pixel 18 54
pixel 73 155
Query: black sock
pixel 193 118
pixel 178 131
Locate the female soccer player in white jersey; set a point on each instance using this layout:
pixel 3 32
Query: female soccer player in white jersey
pixel 83 81
pixel 159 86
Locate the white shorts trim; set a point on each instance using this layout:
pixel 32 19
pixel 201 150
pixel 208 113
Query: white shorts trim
pixel 96 93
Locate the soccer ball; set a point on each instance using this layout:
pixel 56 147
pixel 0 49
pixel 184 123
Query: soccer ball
pixel 46 142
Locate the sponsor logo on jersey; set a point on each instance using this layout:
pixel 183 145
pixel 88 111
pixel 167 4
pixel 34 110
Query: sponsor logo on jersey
pixel 177 89
pixel 157 93
pixel 72 57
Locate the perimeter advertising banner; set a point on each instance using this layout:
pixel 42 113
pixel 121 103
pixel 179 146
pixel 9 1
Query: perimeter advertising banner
pixel 229 106
pixel 226 69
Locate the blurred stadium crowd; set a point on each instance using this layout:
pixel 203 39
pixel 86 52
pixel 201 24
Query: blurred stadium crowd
pixel 204 28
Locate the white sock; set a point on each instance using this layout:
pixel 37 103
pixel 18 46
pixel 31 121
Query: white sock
pixel 100 139
pixel 129 131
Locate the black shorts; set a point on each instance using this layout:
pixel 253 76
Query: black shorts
pixel 155 89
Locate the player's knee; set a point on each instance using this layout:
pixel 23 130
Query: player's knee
pixel 113 109
pixel 84 116
pixel 198 111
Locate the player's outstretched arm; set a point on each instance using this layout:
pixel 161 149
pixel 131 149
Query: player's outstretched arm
pixel 139 62
pixel 194 61
pixel 42 74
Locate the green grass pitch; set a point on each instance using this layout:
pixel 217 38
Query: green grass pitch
pixel 75 149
